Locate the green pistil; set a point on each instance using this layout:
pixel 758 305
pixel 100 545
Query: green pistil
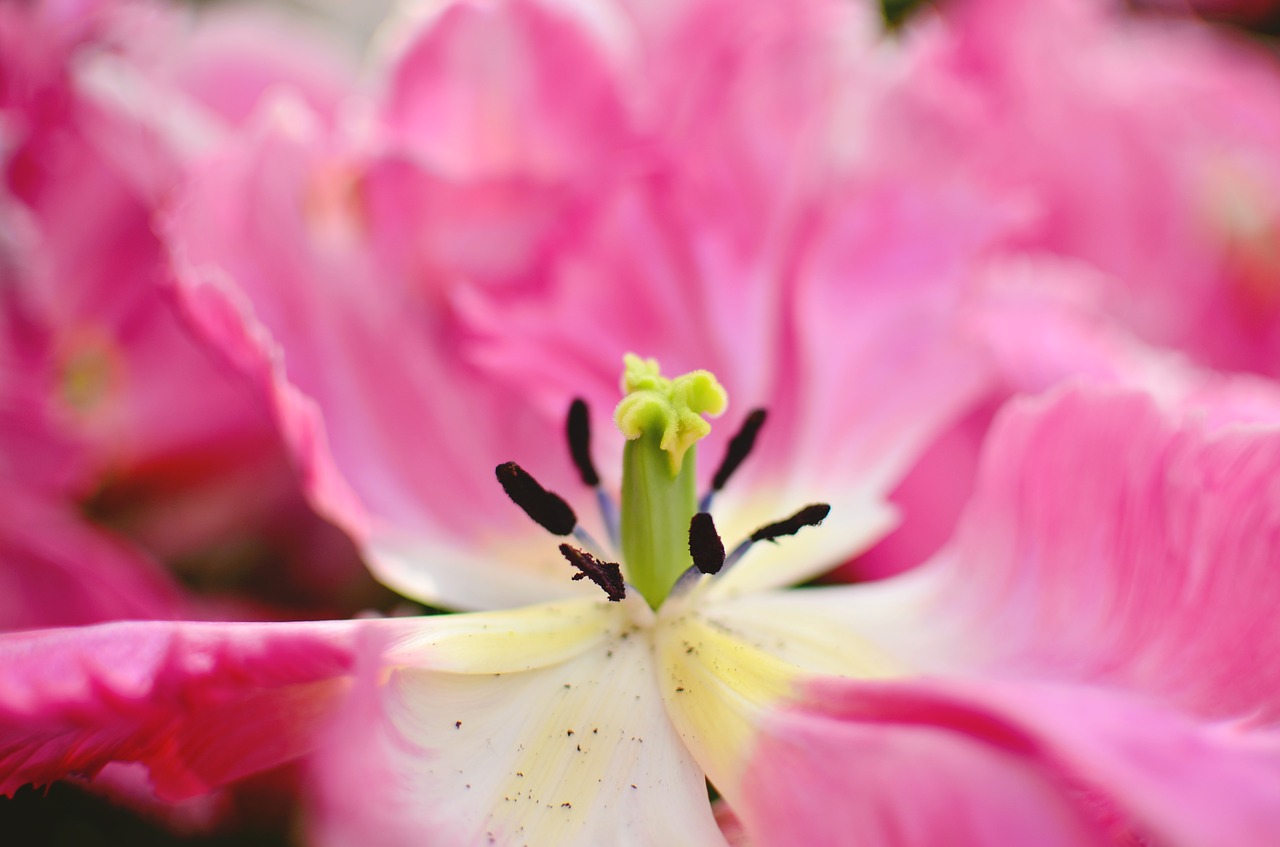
pixel 661 420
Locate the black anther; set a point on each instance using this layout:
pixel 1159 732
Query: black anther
pixel 705 545
pixel 546 508
pixel 607 575
pixel 808 516
pixel 578 428
pixel 740 447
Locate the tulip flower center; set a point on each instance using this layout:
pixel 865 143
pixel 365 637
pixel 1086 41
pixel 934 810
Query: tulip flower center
pixel 664 533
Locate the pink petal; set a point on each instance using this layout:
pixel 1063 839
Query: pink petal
pixel 512 89
pixel 1047 320
pixel 58 570
pixel 157 424
pixel 1144 147
pixel 996 764
pixel 198 704
pixel 233 56
pixel 383 452
pixel 1109 541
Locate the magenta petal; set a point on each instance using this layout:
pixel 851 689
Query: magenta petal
pixel 1109 541
pixel 198 704
pixel 998 764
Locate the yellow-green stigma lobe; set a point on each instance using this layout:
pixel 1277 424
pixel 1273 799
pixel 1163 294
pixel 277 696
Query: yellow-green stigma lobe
pixel 662 421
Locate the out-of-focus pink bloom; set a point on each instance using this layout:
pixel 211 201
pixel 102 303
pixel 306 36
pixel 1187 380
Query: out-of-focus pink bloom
pixel 100 116
pixel 1133 156
pixel 1144 147
pixel 59 571
pixel 55 569
pixel 1108 547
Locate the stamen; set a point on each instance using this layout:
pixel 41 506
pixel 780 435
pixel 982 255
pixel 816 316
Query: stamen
pixel 808 516
pixel 608 514
pixel 740 446
pixel 578 429
pixel 546 508
pixel 705 545
pixel 607 575
pixel 811 515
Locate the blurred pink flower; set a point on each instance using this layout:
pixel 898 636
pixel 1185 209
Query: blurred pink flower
pixel 1132 157
pixel 1142 146
pixel 99 123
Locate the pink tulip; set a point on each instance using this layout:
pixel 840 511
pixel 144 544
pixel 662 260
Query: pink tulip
pixel 418 294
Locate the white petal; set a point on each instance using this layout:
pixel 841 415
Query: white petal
pixel 875 629
pixel 516 639
pixel 551 731
pixel 474 576
pixel 810 629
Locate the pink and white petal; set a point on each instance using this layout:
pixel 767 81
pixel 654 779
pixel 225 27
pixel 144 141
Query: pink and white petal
pixel 1111 542
pixel 727 665
pixel 882 364
pixel 996 763
pixel 198 704
pixel 513 564
pixel 880 367
pixel 474 734
pixel 382 454
pixel 58 570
